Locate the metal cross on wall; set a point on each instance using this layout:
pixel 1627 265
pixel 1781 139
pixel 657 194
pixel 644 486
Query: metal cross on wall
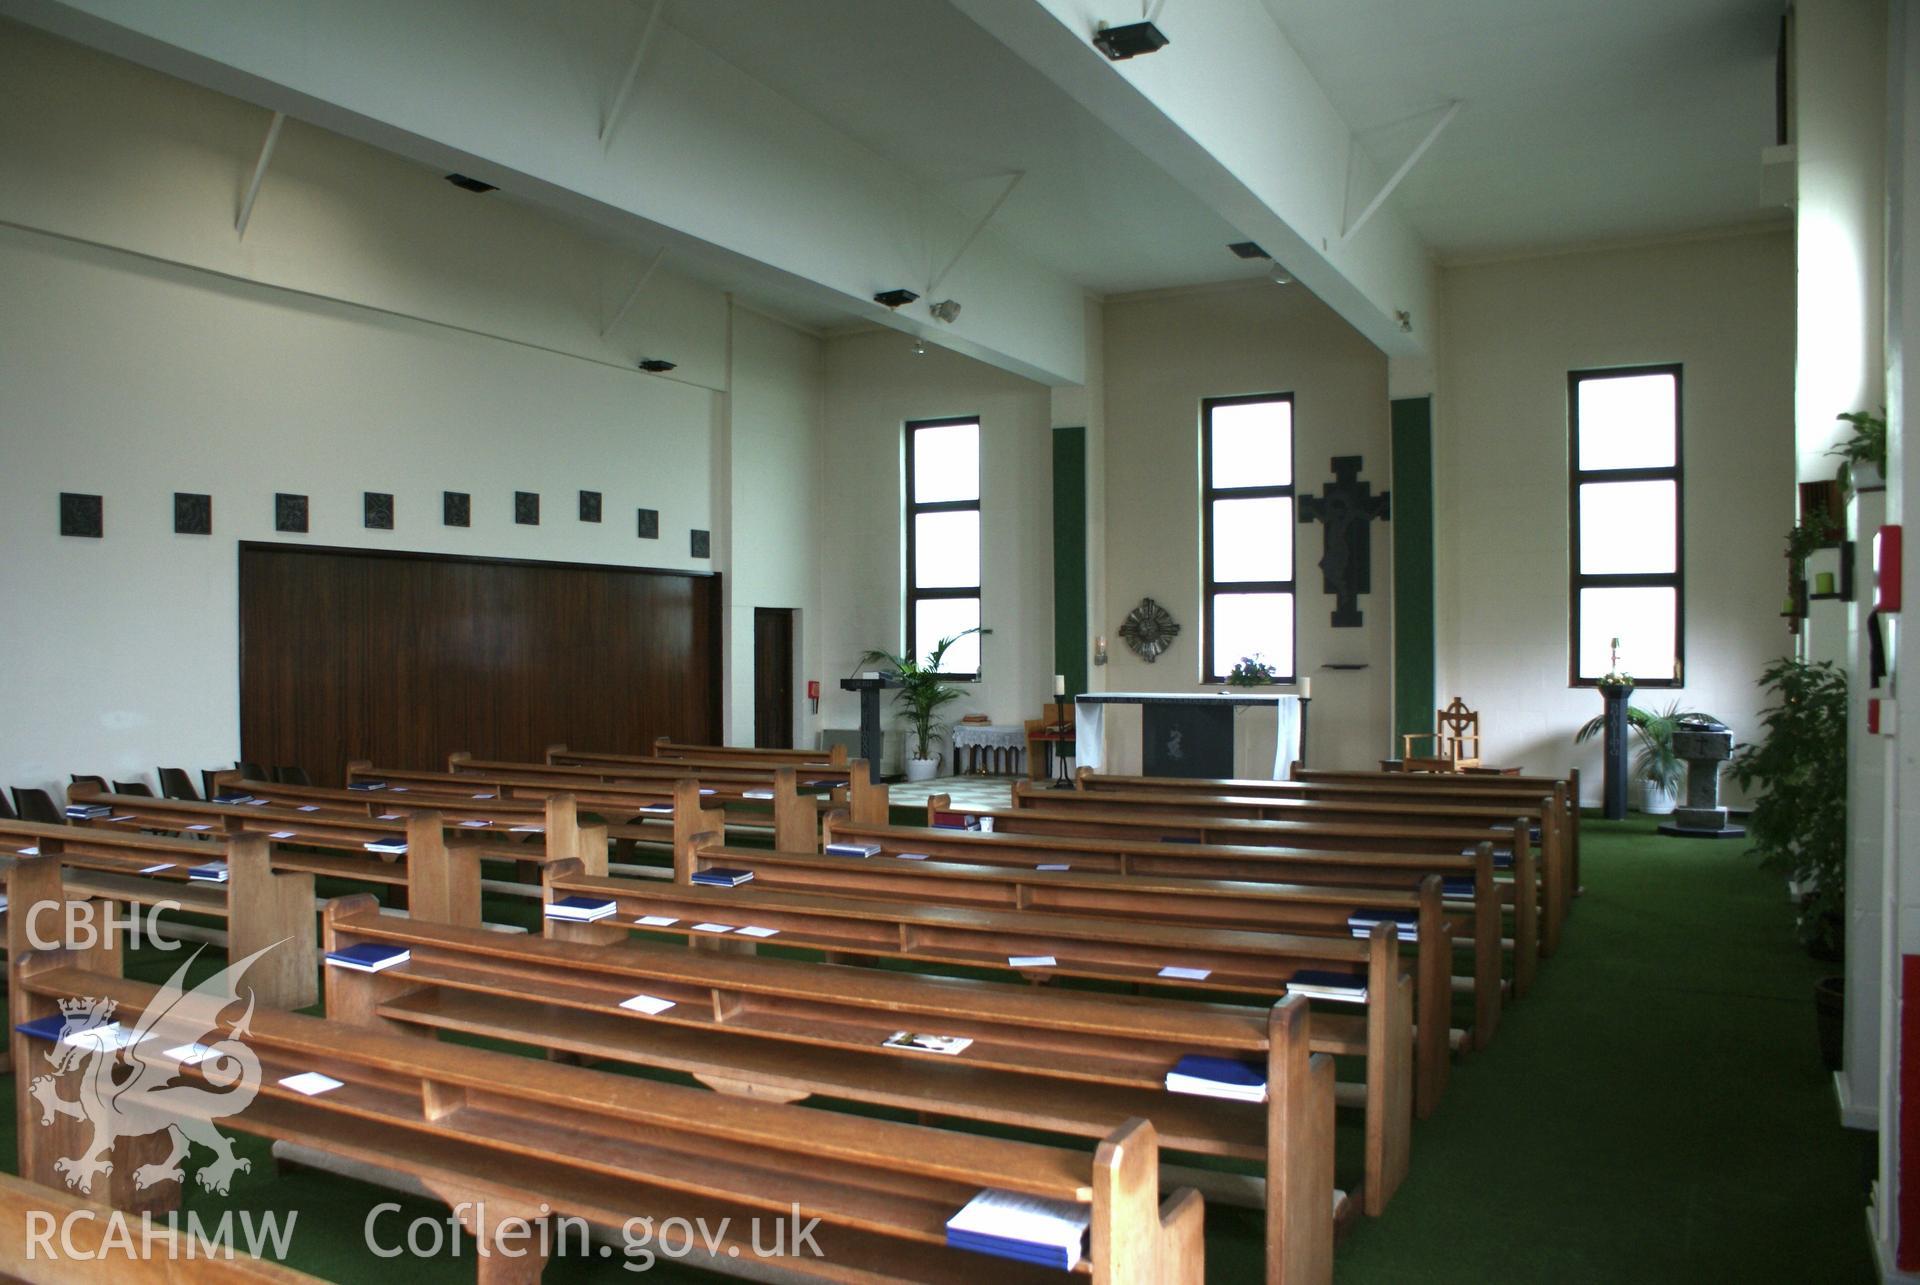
pixel 1345 507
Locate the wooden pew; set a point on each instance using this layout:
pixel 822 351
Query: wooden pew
pixel 1391 869
pixel 540 818
pixel 666 747
pixel 342 837
pixel 509 1141
pixel 819 763
pixel 1241 963
pixel 1132 905
pixel 262 905
pixel 1448 782
pixel 794 811
pixel 814 777
pixel 1442 789
pixel 1077 1064
pixel 1500 810
pixel 85 1244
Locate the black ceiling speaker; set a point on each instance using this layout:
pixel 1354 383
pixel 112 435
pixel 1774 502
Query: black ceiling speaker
pixel 895 298
pixel 1130 41
pixel 656 366
pixel 466 184
pixel 1248 250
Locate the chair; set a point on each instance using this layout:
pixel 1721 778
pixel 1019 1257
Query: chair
pixel 36 805
pixel 1455 729
pixel 291 776
pixel 250 771
pixel 100 782
pixel 138 788
pixel 6 809
pixel 176 784
pixel 1056 731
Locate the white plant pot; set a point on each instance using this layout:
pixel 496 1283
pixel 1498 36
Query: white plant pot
pixel 1656 800
pixel 919 769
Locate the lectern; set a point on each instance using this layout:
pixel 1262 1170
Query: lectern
pixel 870 686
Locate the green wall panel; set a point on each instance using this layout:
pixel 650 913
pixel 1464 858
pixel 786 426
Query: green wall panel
pixel 1070 557
pixel 1413 573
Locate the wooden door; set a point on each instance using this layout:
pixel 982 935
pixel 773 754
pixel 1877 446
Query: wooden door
pixel 772 678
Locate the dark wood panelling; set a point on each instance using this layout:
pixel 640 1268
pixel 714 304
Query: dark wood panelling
pixel 402 658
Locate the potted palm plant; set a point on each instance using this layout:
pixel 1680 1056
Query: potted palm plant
pixel 1655 765
pixel 922 693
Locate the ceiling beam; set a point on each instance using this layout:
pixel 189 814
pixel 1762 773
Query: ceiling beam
pixel 646 275
pixel 620 96
pixel 1406 168
pixel 259 174
pixel 1270 158
pixel 978 228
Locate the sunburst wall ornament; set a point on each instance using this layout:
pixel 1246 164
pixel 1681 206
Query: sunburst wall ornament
pixel 1149 629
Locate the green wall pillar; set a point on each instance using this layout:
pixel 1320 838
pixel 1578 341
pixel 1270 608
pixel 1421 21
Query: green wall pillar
pixel 1413 573
pixel 1070 557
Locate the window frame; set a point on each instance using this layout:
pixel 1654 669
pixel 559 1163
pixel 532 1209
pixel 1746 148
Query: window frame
pixel 1577 477
pixel 912 508
pixel 1209 588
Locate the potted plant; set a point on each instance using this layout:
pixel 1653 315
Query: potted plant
pixel 922 693
pixel 1799 822
pixel 1814 531
pixel 1655 765
pixel 1863 456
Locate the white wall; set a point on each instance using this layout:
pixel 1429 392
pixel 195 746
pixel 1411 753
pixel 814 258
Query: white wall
pixel 776 405
pixel 376 330
pixel 875 384
pixel 133 380
pixel 1724 308
pixel 1167 351
pixel 1839 137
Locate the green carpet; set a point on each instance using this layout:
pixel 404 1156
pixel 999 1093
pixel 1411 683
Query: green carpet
pixel 1653 1111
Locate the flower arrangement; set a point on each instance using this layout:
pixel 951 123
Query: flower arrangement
pixel 1251 671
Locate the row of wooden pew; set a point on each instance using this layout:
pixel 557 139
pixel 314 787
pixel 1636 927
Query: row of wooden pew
pixel 1242 885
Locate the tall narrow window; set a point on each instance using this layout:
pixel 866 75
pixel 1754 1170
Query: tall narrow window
pixel 1626 529
pixel 1246 536
pixel 943 541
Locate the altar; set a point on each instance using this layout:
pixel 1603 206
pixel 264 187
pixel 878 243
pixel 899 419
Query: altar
pixel 1243 733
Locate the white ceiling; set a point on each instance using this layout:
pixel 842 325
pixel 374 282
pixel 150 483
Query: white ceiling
pixel 1582 121
pixel 918 83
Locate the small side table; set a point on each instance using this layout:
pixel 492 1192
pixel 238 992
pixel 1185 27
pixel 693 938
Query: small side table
pixel 999 746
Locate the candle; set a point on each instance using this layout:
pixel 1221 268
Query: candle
pixel 1823 582
pixel 1306 689
pixel 1059 684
